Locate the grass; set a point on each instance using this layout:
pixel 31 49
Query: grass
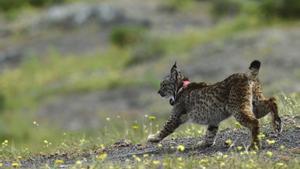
pixel 231 160
pixel 192 38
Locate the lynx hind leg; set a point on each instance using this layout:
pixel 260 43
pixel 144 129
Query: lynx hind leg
pixel 251 123
pixel 263 107
pixel 209 138
pixel 240 105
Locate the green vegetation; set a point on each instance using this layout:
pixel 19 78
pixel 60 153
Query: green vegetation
pixel 150 49
pixel 280 8
pixel 24 88
pixel 266 8
pixel 176 5
pixel 126 35
pixel 239 159
pixel 13 5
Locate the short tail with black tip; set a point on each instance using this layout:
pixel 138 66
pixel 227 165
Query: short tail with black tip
pixel 254 69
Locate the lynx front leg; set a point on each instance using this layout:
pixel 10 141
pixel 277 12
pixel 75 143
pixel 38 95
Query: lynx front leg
pixel 172 123
pixel 210 136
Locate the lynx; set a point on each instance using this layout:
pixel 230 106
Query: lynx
pixel 239 95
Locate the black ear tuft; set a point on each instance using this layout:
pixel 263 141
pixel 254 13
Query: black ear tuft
pixel 174 68
pixel 255 64
pixel 175 65
pixel 174 71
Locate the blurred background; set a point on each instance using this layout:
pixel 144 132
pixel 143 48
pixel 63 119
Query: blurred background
pixel 71 68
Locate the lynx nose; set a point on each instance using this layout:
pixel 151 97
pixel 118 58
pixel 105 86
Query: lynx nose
pixel 161 93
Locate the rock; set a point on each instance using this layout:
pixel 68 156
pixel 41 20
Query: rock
pixel 4 32
pixel 75 15
pixel 11 56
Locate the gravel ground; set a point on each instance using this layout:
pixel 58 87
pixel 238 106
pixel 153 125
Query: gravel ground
pixel 123 149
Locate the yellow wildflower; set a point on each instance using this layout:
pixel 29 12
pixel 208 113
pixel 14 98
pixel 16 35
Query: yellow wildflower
pixel 136 158
pixel 135 126
pixel 101 156
pixel 228 142
pixel 59 162
pixel 238 125
pixel 261 136
pixel 102 146
pixel 279 164
pixel 239 147
pixel 270 141
pixel 78 162
pixel 151 117
pixel 5 143
pixel 156 162
pixel 15 164
pixel 269 154
pixel 180 148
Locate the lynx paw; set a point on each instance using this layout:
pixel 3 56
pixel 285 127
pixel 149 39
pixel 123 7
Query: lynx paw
pixel 254 146
pixel 204 144
pixel 153 138
pixel 277 125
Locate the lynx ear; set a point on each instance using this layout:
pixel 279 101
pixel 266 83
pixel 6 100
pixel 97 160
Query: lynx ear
pixel 174 72
pixel 174 68
pixel 175 65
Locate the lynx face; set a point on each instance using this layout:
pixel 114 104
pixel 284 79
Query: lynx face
pixel 170 83
pixel 167 87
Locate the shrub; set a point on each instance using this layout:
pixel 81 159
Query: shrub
pixel 11 5
pixel 41 3
pixel 226 7
pixel 268 8
pixel 150 50
pixel 280 8
pixel 126 35
pixel 174 5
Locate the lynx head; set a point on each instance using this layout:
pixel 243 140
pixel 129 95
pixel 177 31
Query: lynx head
pixel 170 83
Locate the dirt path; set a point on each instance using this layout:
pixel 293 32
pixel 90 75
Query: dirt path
pixel 122 150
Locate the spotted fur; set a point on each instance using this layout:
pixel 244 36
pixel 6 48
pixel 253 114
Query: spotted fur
pixel 239 95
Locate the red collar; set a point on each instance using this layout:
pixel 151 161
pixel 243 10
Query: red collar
pixel 186 83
